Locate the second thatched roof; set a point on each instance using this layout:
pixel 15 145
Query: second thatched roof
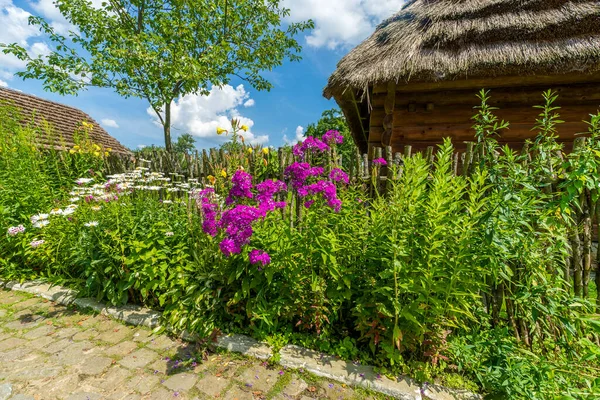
pixel 435 40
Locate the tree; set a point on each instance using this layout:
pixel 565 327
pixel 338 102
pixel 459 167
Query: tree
pixel 185 143
pixel 334 119
pixel 159 50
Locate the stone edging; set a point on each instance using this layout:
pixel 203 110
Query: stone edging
pixel 290 356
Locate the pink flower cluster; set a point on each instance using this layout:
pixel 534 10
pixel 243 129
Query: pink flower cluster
pixel 237 222
pixel 311 144
pixel 379 162
pixel 15 230
pixel 333 137
pixel 259 256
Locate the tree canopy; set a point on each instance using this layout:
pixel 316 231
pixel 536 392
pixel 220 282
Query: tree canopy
pixel 159 50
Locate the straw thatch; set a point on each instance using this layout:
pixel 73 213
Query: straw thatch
pixel 436 40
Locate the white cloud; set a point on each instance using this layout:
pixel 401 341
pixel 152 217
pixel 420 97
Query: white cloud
pixel 48 10
pixel 16 29
pixel 341 22
pixel 298 138
pixel 201 115
pixel 249 103
pixel 3 84
pixel 109 123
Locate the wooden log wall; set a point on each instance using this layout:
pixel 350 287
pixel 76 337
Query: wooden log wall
pixel 423 119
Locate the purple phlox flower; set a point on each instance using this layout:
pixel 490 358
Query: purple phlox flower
pixel 379 162
pixel 338 175
pixel 194 364
pixel 242 187
pixel 333 137
pixel 175 394
pixel 237 224
pixel 206 203
pixel 327 189
pixel 298 173
pixel 281 372
pixel 266 190
pixel 331 386
pixel 259 256
pixel 310 144
pixel 308 203
pixel 248 385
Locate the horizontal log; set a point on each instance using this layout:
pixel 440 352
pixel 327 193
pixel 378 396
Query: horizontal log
pixel 499 97
pixel 492 82
pixel 462 114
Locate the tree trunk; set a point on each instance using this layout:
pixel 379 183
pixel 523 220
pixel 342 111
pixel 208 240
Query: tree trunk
pixel 167 127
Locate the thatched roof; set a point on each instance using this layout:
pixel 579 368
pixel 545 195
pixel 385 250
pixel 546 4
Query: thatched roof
pixel 436 40
pixel 64 120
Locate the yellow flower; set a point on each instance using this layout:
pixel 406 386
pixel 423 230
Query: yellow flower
pixel 221 131
pixel 76 147
pixel 97 153
pixel 108 149
pixel 72 151
pixel 224 173
pixel 250 150
pixel 265 150
pixel 244 128
pixel 211 179
pixel 106 153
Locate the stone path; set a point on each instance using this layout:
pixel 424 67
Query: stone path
pixel 48 352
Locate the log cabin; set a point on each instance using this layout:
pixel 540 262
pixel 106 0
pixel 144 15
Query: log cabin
pixel 415 80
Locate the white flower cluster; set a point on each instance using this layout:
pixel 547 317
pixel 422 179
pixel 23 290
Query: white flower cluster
pixel 37 243
pixel 15 230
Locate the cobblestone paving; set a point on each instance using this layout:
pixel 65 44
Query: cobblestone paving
pixel 49 352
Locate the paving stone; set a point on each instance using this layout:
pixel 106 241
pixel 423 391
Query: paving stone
pixel 121 349
pixel 142 335
pixel 85 396
pixel 75 353
pixel 161 343
pixel 66 333
pixel 115 335
pixel 8 297
pixel 236 393
pixel 57 346
pixel 119 395
pixel 26 304
pixel 105 324
pixel 42 342
pixel 44 330
pixel 260 378
pixel 160 394
pixel 25 321
pixel 180 382
pixel 36 372
pixel 295 388
pixel 138 359
pixel 11 343
pixel 161 366
pixel 95 365
pixel 5 391
pixel 89 321
pixel 62 386
pixel 113 378
pixel 337 391
pixel 143 383
pixel 86 335
pixel 21 396
pixel 212 385
pixel 15 354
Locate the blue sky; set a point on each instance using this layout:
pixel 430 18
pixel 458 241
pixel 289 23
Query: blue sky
pixel 275 117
